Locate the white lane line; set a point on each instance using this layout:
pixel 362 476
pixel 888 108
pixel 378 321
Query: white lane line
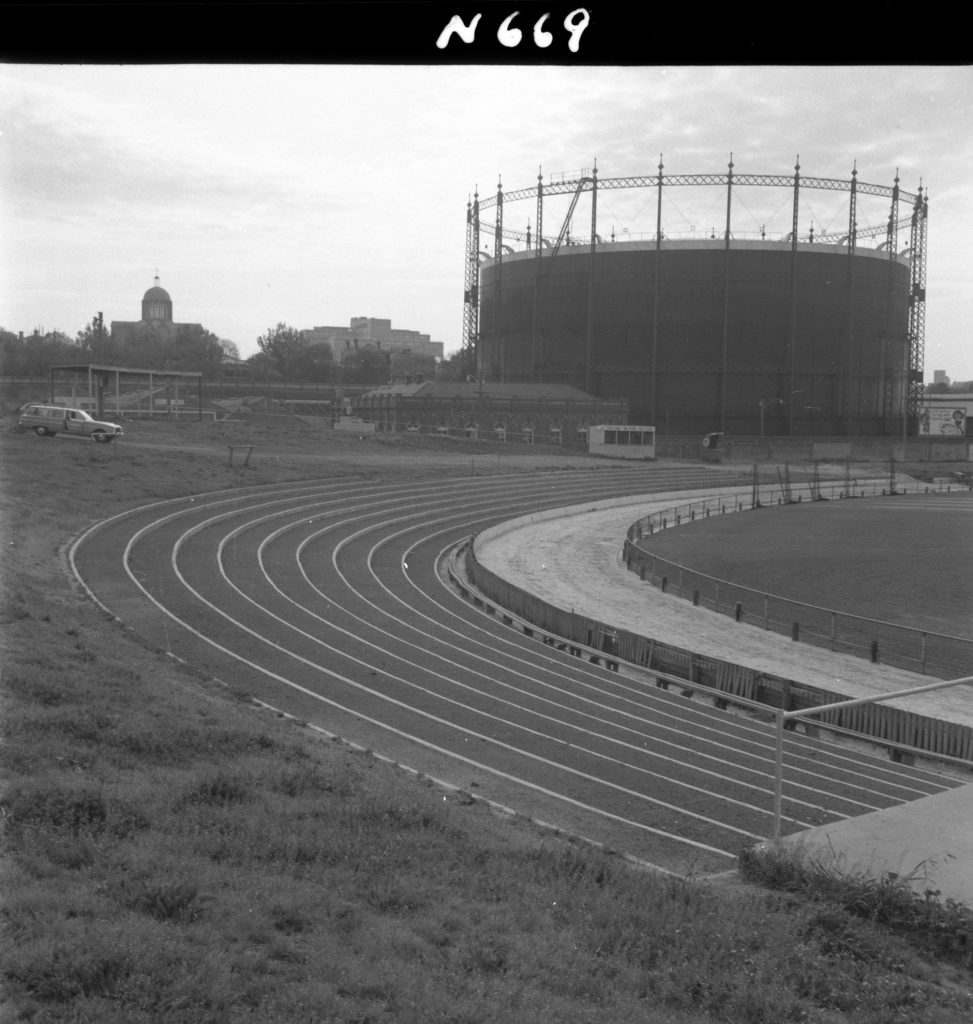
pixel 892 779
pixel 454 683
pixel 236 511
pixel 407 683
pixel 395 731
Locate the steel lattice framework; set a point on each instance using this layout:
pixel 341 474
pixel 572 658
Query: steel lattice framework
pixel 471 296
pixel 917 306
pixel 575 184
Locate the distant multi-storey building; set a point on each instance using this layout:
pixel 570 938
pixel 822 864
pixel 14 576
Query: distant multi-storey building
pixel 369 332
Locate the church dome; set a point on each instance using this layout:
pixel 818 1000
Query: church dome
pixel 156 303
pixel 157 294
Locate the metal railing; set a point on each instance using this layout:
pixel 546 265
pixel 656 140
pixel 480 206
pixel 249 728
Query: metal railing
pixel 783 717
pixel 894 727
pixel 923 651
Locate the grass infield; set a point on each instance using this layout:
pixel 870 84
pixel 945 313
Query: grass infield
pixel 906 559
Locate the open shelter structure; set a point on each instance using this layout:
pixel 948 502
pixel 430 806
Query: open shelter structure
pixel 126 390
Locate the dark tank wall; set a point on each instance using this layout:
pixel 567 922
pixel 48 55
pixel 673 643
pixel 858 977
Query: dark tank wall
pixel 752 341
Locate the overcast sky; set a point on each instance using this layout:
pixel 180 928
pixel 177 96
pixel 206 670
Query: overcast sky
pixel 313 194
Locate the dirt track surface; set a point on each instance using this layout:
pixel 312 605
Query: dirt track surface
pixel 325 599
pixel 475 705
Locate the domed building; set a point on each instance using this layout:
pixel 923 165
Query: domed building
pixel 156 316
pixel 156 304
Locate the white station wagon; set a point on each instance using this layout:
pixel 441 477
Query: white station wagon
pixel 48 420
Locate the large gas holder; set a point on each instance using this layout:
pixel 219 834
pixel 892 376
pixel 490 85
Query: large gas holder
pixel 793 335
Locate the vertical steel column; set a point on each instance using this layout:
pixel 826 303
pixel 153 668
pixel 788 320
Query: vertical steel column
pixel 654 397
pixel 591 278
pixel 538 248
pixel 852 244
pixel 892 244
pixel 471 296
pixel 498 338
pixel 778 771
pixel 726 298
pixel 792 348
pixel 917 310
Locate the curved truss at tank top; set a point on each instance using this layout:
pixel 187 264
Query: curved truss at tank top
pixel 588 180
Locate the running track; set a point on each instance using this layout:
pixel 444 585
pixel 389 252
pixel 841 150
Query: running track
pixel 326 600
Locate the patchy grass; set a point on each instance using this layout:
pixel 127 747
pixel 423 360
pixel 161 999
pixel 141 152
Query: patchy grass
pixel 172 855
pixel 901 904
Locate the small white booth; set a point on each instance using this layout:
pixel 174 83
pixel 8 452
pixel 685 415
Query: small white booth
pixel 622 441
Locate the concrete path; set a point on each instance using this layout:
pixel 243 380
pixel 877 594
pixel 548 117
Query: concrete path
pixel 572 558
pixel 928 841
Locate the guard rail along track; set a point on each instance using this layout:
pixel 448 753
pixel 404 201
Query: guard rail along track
pixel 905 733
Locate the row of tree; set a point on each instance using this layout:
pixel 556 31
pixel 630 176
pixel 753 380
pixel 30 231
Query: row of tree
pixel 189 347
pixel 284 353
pixel 287 353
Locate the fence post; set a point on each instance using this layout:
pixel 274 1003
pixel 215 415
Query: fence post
pixel 778 771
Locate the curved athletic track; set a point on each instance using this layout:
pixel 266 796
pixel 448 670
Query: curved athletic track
pixel 326 600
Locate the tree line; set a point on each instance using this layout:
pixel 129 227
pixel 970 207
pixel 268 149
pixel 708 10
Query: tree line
pixel 188 347
pixel 284 354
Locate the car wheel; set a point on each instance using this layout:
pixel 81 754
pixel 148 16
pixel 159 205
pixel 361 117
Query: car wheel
pixel 100 435
pixel 40 431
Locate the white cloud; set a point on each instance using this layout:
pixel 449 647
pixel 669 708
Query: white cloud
pixel 313 194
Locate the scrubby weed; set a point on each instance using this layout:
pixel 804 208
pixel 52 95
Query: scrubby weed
pixel 176 899
pixel 51 808
pixel 34 687
pixel 68 971
pixel 900 903
pixel 218 788
pixel 16 607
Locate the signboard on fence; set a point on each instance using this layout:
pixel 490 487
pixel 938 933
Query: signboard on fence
pixel 943 420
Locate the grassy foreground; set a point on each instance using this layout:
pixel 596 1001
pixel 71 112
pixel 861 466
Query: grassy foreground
pixel 171 853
